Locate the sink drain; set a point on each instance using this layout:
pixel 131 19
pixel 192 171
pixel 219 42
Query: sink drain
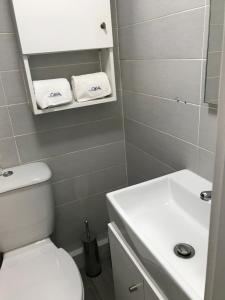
pixel 184 251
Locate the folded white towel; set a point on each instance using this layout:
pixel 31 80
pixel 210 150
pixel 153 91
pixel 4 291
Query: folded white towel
pixel 91 86
pixel 52 92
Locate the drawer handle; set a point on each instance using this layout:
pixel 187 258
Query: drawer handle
pixel 134 288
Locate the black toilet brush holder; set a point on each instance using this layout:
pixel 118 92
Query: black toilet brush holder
pixel 91 254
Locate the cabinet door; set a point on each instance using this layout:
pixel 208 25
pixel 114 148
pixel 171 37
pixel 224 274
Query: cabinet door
pixel 149 293
pixel 128 282
pixel 63 25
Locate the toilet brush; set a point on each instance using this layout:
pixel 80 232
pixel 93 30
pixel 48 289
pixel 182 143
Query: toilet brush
pixel 91 253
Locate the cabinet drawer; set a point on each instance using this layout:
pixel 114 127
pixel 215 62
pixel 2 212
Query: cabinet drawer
pixel 128 281
pixel 131 280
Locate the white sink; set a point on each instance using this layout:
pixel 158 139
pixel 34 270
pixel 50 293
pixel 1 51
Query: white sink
pixel 161 213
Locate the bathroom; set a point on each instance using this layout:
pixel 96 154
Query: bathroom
pixel 157 130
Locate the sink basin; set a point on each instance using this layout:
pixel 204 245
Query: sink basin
pixel 157 215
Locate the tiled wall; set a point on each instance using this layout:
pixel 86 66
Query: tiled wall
pixel 214 51
pixel 84 147
pixel 163 54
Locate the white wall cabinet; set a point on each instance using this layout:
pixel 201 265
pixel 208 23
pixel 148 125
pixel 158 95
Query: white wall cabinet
pixel 56 26
pixel 60 26
pixel 130 280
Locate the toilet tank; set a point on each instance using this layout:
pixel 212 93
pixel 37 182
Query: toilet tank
pixel 26 206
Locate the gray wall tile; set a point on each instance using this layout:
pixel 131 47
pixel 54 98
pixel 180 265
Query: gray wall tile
pixel 142 10
pixel 171 151
pixel 14 87
pixel 165 38
pixel 168 116
pixel 8 153
pixel 142 166
pixel 9 53
pixel 5 17
pixel 206 161
pixel 70 220
pixel 164 78
pixel 24 122
pixel 86 161
pixel 208 128
pixel 212 89
pixel 69 225
pixel 90 184
pixel 163 58
pixel 217 12
pixel 115 37
pixel 2 95
pixel 42 145
pixel 5 126
pixel 213 64
pixel 215 38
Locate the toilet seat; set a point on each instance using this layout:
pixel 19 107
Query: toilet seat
pixel 40 271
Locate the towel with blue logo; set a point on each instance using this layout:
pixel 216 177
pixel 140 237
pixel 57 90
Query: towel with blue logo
pixel 52 92
pixel 90 86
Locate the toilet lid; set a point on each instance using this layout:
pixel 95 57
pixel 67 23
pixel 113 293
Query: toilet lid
pixel 40 272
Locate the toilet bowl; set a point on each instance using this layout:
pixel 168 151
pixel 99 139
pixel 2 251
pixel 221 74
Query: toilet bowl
pixel 33 267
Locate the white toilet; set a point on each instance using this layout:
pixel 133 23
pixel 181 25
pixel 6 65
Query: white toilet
pixel 33 267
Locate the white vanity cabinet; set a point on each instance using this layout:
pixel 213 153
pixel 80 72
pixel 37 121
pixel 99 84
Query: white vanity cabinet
pixel 130 279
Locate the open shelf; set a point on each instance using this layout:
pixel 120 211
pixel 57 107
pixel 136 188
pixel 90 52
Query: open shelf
pixel 106 65
pixel 75 104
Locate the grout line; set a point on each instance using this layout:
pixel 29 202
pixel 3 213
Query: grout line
pixel 170 135
pixel 199 125
pixel 66 127
pixel 25 83
pixel 141 150
pixel 124 136
pixel 215 52
pixel 10 71
pixel 162 132
pixel 88 196
pixel 162 59
pixel 48 67
pixel 213 77
pixel 7 33
pixel 203 70
pixel 11 124
pixel 75 152
pixel 216 24
pixel 122 105
pixel 160 98
pixel 89 173
pixel 163 17
pixel 206 150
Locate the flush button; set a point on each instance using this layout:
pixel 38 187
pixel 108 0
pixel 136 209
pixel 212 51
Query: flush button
pixel 7 173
